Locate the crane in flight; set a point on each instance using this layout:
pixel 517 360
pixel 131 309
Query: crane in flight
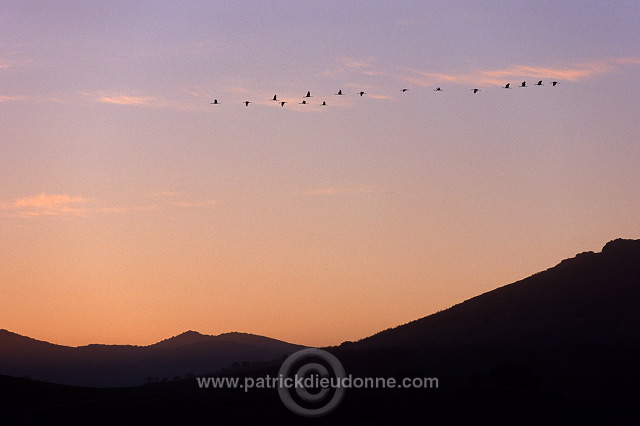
pixel 553 83
pixel 506 86
pixel 476 90
pixel 340 93
pixel 246 103
pixel 215 102
pixel 539 83
pixel 523 84
pixel 362 93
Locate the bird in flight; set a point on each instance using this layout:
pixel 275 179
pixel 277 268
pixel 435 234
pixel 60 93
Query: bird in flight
pixel 404 90
pixel 437 89
pixel 275 98
pixel 246 103
pixel 323 103
pixel 215 102
pixel 282 103
pixel 553 83
pixel 506 86
pixel 308 95
pixel 476 90
pixel 539 83
pixel 340 93
pixel 303 103
pixel 524 84
pixel 362 93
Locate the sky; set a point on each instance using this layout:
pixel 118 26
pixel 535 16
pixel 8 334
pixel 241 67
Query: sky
pixel 132 209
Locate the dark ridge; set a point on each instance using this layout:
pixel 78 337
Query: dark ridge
pixel 588 298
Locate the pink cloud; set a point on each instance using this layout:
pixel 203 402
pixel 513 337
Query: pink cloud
pixel 47 205
pixel 572 72
pixel 352 63
pixel 130 100
pixel 48 200
pixel 11 98
pixel 628 61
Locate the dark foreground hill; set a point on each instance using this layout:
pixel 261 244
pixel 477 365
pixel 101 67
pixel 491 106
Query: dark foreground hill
pixel 560 347
pixel 592 298
pixel 187 354
pixel 563 340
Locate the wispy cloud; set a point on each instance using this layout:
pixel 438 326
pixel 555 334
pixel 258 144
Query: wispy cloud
pixel 131 100
pixel 11 98
pixel 570 72
pixel 628 61
pixel 351 66
pixel 136 100
pixel 47 205
pixel 367 67
pixel 380 96
pixel 354 63
pixel 48 201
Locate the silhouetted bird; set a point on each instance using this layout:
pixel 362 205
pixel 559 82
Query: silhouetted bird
pixel 303 103
pixel 340 93
pixel 246 103
pixel 215 102
pixel 323 103
pixel 506 86
pixel 274 98
pixel 362 93
pixel 308 95
pixel 282 103
pixel 476 90
pixel 437 89
pixel 539 83
pixel 523 84
pixel 553 83
pixel 404 90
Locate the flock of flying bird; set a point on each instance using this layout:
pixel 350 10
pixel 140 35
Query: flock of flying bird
pixel 361 93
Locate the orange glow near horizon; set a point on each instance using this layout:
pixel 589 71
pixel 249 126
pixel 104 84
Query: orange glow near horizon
pixel 134 208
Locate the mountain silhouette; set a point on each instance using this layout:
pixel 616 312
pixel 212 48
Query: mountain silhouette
pixel 189 353
pixel 592 298
pixel 559 347
pixel 565 339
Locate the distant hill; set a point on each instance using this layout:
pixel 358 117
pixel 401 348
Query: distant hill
pixel 126 365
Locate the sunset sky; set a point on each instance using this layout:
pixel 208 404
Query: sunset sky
pixel 131 209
